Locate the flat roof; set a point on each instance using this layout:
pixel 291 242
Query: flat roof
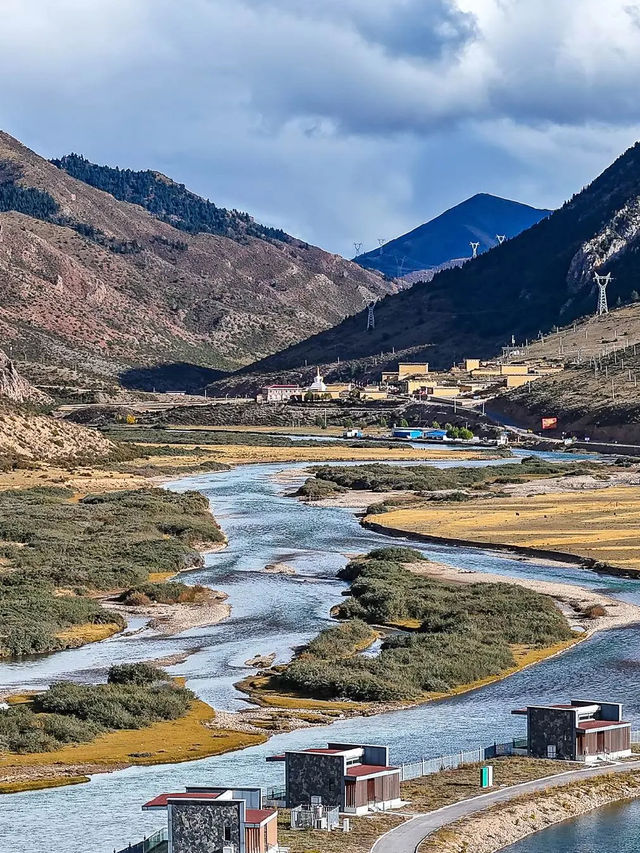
pixel 326 751
pixel 369 769
pixel 162 800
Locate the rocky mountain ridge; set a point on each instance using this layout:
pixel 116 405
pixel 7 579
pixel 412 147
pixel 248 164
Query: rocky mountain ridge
pixel 101 286
pixel 542 278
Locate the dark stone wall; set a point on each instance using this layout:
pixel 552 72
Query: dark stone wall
pixel 314 775
pixel 552 726
pixel 199 827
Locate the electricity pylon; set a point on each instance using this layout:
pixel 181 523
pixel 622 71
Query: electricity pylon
pixel 371 319
pixel 474 248
pixel 501 238
pixel 602 281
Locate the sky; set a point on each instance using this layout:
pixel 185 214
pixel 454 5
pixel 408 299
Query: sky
pixel 338 120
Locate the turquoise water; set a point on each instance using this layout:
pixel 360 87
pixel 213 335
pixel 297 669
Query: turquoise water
pixel 274 613
pixel 611 828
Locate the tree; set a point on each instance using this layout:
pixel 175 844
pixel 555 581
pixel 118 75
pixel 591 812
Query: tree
pixel 465 433
pixel 382 423
pixel 435 425
pixel 403 422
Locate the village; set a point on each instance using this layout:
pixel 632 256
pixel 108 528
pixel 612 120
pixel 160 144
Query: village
pixel 325 788
pixel 471 381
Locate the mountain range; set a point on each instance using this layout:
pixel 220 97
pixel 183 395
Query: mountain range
pixel 104 271
pixel 542 277
pixel 448 237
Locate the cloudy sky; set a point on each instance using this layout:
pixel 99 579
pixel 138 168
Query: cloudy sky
pixel 338 120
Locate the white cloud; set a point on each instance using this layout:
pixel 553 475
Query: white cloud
pixel 320 115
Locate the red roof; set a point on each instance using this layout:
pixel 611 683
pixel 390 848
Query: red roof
pixel 368 769
pixel 259 815
pixel 161 801
pixel 601 724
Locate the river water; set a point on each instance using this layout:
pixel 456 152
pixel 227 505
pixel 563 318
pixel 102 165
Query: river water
pixel 274 613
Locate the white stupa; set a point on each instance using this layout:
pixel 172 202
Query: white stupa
pixel 317 386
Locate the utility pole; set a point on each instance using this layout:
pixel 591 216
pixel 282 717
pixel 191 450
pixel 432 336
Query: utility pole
pixel 602 281
pixel 474 249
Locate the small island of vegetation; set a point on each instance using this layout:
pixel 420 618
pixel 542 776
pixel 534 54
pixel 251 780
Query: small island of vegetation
pixel 446 635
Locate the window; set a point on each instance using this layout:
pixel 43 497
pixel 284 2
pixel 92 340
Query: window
pixel 551 750
pixel 227 833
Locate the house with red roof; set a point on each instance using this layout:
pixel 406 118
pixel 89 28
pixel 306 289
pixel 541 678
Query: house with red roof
pixel 216 820
pixel 356 778
pixel 581 730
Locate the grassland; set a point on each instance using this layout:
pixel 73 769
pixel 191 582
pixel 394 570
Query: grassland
pixel 459 635
pixel 422 795
pixel 56 549
pixel 426 478
pixel 602 525
pixel 188 738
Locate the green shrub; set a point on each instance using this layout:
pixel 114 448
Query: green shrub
pixel 102 542
pixel 142 674
pixel 465 634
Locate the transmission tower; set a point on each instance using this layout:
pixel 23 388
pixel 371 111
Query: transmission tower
pixel 381 242
pixel 358 248
pixel 371 320
pixel 474 248
pixel 602 281
pixel 501 238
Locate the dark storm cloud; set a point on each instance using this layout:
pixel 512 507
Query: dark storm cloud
pixel 337 119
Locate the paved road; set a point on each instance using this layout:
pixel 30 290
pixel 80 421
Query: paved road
pixel 406 837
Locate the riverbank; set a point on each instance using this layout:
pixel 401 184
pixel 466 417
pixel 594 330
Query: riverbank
pixel 420 662
pixel 192 736
pixel 598 529
pixel 504 824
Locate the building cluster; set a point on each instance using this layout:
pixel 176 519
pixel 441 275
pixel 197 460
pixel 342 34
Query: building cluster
pixel 325 787
pixel 320 390
pixel 469 379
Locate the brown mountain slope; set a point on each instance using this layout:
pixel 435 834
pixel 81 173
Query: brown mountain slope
pixel 151 294
pixel 26 434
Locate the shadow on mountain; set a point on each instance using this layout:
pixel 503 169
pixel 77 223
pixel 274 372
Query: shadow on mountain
pixel 177 377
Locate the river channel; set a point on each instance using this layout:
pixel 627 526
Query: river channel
pixel 274 613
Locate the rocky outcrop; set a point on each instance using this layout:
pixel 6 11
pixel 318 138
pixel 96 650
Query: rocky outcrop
pixel 15 387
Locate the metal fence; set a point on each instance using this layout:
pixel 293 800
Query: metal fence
pixel 427 766
pixel 149 844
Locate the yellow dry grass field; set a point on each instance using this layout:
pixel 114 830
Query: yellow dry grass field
pixel 96 479
pixel 602 525
pixel 167 742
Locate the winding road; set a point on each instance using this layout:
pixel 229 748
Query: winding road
pixel 407 837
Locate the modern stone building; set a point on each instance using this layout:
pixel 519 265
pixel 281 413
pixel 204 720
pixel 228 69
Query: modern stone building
pixel 355 778
pixel 579 731
pixel 217 820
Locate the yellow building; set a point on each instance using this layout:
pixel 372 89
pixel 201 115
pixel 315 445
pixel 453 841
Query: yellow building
pixel 389 377
pixel 471 364
pixel 514 369
pixel 410 386
pixel 406 368
pixel 373 393
pixel 443 390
